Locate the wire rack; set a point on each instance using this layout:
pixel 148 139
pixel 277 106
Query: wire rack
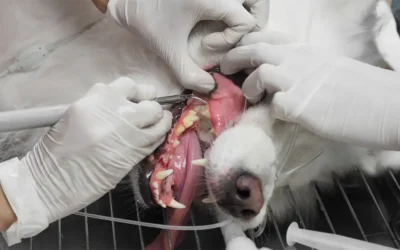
pixel 360 207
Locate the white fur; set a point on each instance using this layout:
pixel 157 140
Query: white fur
pixel 106 52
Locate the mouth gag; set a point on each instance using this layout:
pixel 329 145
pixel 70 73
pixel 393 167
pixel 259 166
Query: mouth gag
pixel 48 116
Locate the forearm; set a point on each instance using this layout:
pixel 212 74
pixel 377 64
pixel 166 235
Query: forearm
pixel 7 215
pixel 101 5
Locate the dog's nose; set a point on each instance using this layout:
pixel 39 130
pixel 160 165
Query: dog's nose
pixel 246 199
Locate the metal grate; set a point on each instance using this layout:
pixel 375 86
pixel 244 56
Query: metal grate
pixel 361 207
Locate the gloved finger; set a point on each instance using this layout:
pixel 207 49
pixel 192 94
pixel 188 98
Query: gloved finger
pixel 189 74
pixel 282 107
pixel 264 78
pixel 145 113
pixel 158 131
pixel 133 91
pixel 239 22
pixel 241 243
pixel 260 11
pixel 251 56
pixel 271 37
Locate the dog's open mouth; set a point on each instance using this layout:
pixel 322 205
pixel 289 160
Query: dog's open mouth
pixel 173 178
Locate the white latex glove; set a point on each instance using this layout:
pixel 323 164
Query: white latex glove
pixel 243 243
pixel 330 95
pixel 165 26
pixel 86 154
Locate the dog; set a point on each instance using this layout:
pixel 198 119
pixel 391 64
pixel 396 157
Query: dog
pixel 105 51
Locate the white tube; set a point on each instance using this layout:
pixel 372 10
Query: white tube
pixel 31 118
pixel 326 241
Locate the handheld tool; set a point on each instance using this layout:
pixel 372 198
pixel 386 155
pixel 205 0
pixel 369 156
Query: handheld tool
pixel 48 116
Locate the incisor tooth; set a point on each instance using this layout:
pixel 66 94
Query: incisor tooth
pixel 200 162
pixel 209 200
pixel 161 175
pixel 175 204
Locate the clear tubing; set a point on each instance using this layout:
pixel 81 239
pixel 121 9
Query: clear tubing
pixel 154 225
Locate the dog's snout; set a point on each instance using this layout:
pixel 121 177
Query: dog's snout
pixel 245 198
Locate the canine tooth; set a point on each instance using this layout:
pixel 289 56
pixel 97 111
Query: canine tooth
pixel 175 204
pixel 164 174
pixel 212 131
pixel 200 162
pixel 209 200
pixel 179 130
pixel 162 204
pixel 176 143
pixel 192 113
pixel 155 184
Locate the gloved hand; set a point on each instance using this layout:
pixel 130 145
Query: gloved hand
pixel 330 95
pixel 165 26
pixel 87 153
pixel 243 243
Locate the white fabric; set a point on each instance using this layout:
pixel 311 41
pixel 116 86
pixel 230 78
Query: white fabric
pixel 165 26
pixel 86 154
pixel 333 96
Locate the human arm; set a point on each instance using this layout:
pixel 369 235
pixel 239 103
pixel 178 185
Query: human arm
pixel 165 27
pixel 331 95
pixel 99 140
pixel 7 215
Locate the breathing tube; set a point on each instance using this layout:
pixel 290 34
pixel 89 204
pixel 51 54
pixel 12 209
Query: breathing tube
pixel 155 225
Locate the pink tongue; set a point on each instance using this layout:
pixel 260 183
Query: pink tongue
pixel 185 175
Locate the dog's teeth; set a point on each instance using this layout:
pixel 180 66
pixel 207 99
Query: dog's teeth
pixel 192 113
pixel 200 162
pixel 209 200
pixel 206 113
pixel 175 204
pixel 212 131
pixel 189 120
pixel 161 175
pixel 199 108
pixel 176 143
pixel 179 130
pixel 155 184
pixel 157 192
pixel 162 204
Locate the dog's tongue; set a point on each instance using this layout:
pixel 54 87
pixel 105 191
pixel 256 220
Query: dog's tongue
pixel 185 175
pixel 224 106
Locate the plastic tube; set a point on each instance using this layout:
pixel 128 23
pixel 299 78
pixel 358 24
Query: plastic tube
pixel 154 225
pixel 326 241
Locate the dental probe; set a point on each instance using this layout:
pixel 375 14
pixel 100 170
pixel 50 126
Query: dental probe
pixel 48 116
pixel 326 241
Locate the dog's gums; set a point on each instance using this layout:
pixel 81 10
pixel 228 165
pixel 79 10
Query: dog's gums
pixel 174 179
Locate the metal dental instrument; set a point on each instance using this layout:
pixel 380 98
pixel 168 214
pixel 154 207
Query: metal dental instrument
pixel 48 116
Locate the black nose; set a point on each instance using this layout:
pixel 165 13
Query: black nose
pixel 244 199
